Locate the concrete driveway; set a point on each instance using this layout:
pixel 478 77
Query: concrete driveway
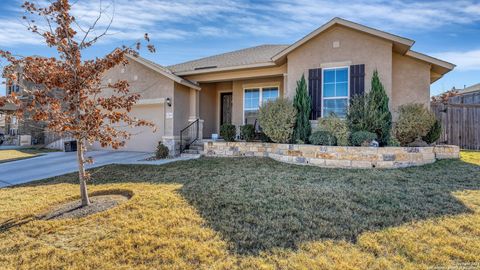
pixel 58 163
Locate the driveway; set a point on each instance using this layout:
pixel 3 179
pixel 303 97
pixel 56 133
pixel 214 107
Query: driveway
pixel 58 163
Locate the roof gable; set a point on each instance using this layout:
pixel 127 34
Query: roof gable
pixel 163 71
pixel 400 43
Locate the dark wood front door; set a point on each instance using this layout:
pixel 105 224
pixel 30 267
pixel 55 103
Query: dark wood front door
pixel 225 108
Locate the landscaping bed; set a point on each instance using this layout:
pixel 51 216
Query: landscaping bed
pixel 253 213
pixel 334 156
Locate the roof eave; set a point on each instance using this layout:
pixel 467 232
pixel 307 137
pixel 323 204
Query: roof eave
pixel 432 60
pixel 211 70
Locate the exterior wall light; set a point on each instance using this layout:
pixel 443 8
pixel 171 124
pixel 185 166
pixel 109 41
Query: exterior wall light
pixel 169 102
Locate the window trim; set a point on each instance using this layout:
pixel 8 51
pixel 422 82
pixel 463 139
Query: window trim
pixel 260 98
pixel 339 97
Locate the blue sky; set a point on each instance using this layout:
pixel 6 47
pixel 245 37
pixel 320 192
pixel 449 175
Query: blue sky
pixel 190 29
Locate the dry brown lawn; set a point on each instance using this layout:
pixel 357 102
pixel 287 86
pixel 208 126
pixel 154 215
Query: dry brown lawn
pixel 250 213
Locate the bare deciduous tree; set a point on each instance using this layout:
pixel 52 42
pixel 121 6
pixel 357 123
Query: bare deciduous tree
pixel 68 93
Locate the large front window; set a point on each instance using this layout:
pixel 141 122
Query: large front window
pixel 335 92
pixel 253 98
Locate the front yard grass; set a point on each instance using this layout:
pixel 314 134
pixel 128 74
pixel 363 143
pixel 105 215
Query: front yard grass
pixel 18 154
pixel 252 213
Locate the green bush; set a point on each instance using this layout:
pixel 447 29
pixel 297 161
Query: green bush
pixel 162 151
pixel 277 119
pixel 303 105
pixel 247 132
pixel 370 112
pixel 414 121
pixel 392 140
pixel 323 137
pixel 228 132
pixel 434 133
pixel 362 138
pixel 337 126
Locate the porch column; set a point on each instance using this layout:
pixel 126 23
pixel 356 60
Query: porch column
pixel 195 111
pixel 194 103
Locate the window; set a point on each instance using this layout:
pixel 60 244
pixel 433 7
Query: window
pixel 335 92
pixel 268 94
pixel 253 97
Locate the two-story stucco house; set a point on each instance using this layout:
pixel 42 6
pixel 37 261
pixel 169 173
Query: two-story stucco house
pixel 337 59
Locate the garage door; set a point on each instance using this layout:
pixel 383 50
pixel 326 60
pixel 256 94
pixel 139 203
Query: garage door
pixel 143 139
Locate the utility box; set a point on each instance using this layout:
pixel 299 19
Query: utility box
pixel 24 140
pixel 70 146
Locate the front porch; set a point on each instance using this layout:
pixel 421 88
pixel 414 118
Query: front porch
pixel 235 102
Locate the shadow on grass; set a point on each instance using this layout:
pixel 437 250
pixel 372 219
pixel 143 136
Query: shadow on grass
pixel 259 204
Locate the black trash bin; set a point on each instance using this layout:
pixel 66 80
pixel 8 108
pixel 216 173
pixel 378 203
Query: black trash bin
pixel 71 146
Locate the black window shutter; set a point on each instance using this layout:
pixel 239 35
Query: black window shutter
pixel 357 80
pixel 315 92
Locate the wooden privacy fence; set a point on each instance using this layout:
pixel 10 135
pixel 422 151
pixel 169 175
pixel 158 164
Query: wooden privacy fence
pixel 460 124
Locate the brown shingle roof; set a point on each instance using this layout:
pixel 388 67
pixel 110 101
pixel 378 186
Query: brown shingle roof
pixel 248 56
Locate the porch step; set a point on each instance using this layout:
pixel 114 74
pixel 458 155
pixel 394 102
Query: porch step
pixel 190 154
pixel 196 147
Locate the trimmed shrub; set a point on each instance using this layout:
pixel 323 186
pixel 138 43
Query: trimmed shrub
pixel 371 113
pixel 162 151
pixel 418 143
pixel 362 138
pixel 228 132
pixel 337 126
pixel 434 133
pixel 323 137
pixel 247 132
pixel 414 121
pixel 277 119
pixel 392 140
pixel 302 104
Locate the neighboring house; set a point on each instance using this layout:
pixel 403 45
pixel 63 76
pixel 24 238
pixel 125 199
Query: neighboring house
pixel 471 92
pixel 15 126
pixel 338 60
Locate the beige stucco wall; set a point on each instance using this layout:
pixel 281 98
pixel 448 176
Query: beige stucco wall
pixel 152 87
pixel 181 104
pixel 355 48
pixel 411 82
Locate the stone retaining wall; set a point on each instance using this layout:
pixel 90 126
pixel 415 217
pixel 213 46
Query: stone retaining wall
pixel 334 156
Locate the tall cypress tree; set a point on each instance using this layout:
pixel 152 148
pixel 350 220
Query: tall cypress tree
pixel 380 116
pixel 302 104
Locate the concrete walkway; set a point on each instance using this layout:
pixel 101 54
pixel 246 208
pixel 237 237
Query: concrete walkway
pixel 58 163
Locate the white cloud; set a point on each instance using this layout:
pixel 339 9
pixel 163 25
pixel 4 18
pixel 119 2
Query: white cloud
pixel 468 60
pixel 13 32
pixel 166 20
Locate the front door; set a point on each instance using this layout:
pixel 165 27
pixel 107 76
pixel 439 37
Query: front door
pixel 225 108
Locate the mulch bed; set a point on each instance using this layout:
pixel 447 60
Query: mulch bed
pixel 73 209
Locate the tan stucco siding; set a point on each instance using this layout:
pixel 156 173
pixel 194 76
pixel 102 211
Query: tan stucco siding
pixel 181 104
pixel 354 48
pixel 411 82
pixel 148 83
pixel 152 88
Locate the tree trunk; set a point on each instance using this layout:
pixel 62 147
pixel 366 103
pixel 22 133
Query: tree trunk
pixel 81 173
